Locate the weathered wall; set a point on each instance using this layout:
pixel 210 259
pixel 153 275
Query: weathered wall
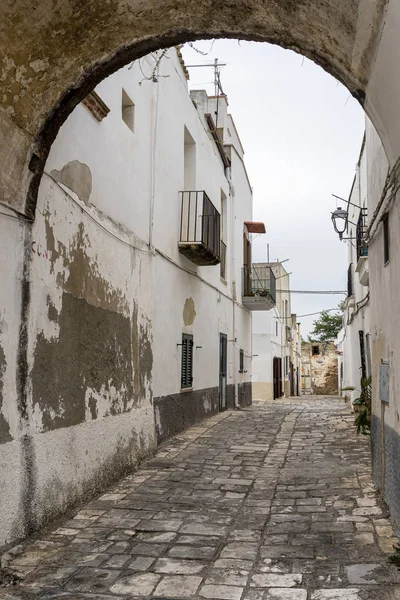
pixel 177 412
pixel 96 298
pixel 88 348
pixel 322 368
pixel 49 65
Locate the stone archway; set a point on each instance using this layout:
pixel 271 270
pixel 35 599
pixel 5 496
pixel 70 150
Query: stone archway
pixel 53 54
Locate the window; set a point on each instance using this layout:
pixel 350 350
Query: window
pixel 187 361
pixel 386 240
pixel 315 350
pixel 128 111
pixel 276 333
pixel 241 361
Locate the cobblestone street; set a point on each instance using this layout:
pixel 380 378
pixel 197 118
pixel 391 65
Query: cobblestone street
pixel 272 502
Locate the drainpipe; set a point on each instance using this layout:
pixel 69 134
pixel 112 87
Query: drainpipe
pixel 228 174
pixel 153 138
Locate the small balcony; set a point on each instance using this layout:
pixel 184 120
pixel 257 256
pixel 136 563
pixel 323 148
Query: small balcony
pixel 362 249
pixel 259 288
pixel 200 234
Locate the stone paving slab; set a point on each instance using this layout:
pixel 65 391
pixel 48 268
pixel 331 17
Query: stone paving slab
pixel 272 502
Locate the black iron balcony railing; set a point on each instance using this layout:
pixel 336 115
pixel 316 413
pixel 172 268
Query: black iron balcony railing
pixel 259 281
pixel 223 260
pixel 362 248
pixel 200 235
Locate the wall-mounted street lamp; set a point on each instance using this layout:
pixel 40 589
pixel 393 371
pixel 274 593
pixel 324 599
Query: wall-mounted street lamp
pixel 340 218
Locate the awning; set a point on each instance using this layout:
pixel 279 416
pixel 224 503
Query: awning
pixel 255 226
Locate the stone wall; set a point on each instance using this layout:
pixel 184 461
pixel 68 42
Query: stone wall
pixel 319 368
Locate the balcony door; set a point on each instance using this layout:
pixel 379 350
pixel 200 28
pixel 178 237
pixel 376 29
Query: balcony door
pixel 223 367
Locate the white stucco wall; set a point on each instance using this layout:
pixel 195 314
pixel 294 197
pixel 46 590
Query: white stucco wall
pixel 105 293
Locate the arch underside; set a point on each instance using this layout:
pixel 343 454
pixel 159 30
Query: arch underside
pixel 54 53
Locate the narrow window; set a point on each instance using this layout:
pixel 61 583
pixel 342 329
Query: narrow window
pixel 276 323
pixel 187 361
pixel 128 111
pixel 241 361
pixel 386 240
pixel 315 350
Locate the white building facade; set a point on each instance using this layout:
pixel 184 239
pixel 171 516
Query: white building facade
pixel 355 339
pixel 370 340
pixel 276 361
pixel 133 296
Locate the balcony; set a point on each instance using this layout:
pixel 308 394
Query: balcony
pixel 200 229
pixel 259 288
pixel 362 249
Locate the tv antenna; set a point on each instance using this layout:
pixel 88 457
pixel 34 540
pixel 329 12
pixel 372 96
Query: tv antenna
pixel 218 91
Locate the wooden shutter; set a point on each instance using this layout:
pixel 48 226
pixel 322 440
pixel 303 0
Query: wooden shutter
pixel 187 361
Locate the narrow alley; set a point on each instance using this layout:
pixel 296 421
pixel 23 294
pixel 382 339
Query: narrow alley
pixel 272 502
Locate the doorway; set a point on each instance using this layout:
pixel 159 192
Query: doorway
pixel 223 364
pixel 277 377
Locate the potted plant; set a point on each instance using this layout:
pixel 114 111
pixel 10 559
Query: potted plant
pixel 362 406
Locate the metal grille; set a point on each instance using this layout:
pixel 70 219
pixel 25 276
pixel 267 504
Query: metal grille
pixel 187 361
pixel 362 248
pixel 350 280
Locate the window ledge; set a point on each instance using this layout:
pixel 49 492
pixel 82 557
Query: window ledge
pixel 224 280
pixel 183 390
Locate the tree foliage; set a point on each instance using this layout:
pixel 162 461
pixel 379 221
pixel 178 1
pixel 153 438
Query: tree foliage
pixel 327 327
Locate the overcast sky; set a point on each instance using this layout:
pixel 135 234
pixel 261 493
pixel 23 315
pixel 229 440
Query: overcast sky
pixel 302 133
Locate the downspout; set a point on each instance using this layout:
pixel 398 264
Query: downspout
pixel 153 142
pixel 233 282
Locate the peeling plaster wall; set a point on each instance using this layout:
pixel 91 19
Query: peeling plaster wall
pixel 11 431
pixel 320 371
pixel 89 359
pixel 89 327
pixel 59 54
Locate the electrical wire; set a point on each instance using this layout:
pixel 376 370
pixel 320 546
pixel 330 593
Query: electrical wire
pixel 312 292
pixel 18 215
